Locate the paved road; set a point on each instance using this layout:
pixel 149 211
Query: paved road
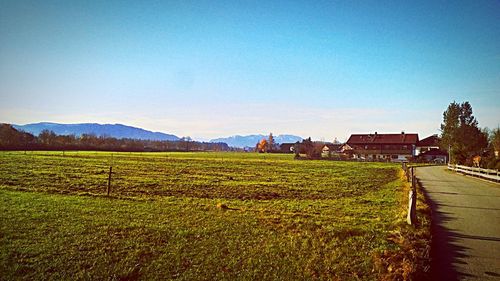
pixel 466 225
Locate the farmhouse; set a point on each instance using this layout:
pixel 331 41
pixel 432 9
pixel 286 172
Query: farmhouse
pixel 383 147
pixel 434 155
pixel 337 151
pixel 330 148
pixel 287 147
pixel 429 143
pixel 428 150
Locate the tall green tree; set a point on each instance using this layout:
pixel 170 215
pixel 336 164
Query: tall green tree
pixel 460 133
pixel 495 141
pixel 449 127
pixel 271 143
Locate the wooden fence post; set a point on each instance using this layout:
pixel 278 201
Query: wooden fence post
pixel 412 200
pixel 408 175
pixel 109 179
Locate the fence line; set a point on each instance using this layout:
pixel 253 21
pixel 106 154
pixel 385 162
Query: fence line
pixel 412 195
pixel 488 174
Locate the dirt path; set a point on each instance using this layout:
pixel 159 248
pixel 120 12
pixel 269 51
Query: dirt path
pixel 466 225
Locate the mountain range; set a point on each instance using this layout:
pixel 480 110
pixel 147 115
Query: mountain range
pixel 112 130
pixel 123 131
pixel 252 140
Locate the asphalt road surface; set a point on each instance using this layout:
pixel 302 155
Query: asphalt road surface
pixel 465 225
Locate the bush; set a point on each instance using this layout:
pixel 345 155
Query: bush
pixel 493 164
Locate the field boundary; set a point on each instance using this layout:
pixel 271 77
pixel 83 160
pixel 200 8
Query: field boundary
pixel 420 235
pixel 413 257
pixel 487 174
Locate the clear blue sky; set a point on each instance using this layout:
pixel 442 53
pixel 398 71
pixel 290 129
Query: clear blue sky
pixel 217 68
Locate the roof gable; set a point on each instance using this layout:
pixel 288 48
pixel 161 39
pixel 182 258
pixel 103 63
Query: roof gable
pixel 430 141
pixel 333 146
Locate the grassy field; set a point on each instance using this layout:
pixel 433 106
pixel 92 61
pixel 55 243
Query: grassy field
pixel 285 219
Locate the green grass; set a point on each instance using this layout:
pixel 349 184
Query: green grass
pixel 287 219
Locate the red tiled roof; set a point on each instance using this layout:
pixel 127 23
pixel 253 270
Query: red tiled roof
pixel 429 141
pixel 383 139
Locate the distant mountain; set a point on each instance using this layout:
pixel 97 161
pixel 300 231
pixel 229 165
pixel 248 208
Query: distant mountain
pixel 112 130
pixel 252 140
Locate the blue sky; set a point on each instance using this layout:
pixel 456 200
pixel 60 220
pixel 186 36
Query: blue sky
pixel 207 69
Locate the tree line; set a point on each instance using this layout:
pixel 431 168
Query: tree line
pixel 311 149
pixel 267 145
pixel 465 141
pixel 12 139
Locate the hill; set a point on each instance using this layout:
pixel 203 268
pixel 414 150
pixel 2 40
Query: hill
pixel 112 130
pixel 251 140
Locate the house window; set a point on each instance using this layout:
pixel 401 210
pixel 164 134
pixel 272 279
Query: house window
pixel 394 156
